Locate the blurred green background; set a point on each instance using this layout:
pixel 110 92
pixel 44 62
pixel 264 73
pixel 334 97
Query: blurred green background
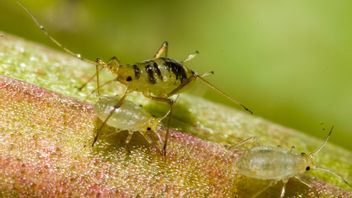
pixel 289 61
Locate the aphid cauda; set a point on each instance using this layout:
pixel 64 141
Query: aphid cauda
pixel 277 164
pixel 129 117
pixel 158 79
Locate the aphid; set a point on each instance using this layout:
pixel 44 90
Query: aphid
pixel 158 78
pixel 276 164
pixel 129 117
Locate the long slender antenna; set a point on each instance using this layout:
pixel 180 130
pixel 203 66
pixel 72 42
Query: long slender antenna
pixel 224 94
pixel 242 142
pixel 333 173
pixel 323 144
pixel 52 39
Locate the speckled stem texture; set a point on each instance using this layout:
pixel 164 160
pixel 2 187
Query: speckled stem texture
pixel 47 127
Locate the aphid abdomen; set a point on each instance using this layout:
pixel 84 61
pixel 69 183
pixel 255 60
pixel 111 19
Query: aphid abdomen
pixel 157 77
pixel 129 116
pixel 270 164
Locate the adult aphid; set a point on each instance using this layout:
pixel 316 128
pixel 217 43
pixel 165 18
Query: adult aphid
pixel 158 78
pixel 276 164
pixel 130 117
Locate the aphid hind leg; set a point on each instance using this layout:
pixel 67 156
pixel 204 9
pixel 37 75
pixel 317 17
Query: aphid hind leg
pixel 163 49
pixel 116 106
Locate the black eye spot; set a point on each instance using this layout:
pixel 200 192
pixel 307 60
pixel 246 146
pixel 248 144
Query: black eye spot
pixel 129 78
pixel 148 129
pixel 307 168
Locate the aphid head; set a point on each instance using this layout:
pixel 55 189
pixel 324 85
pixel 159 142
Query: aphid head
pixel 309 158
pixel 152 124
pixel 309 162
pixel 126 74
pixel 113 65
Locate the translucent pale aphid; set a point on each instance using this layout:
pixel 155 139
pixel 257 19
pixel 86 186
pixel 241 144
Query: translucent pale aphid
pixel 277 164
pixel 129 117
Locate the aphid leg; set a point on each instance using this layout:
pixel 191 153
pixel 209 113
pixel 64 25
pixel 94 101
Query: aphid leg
pixel 163 49
pixel 89 79
pixel 264 189
pixel 222 93
pixel 170 102
pixel 129 137
pixel 150 141
pixel 302 181
pixel 98 63
pixel 118 104
pixel 112 63
pixel 283 189
pixel 191 56
pixel 292 149
pixel 102 85
pixel 97 72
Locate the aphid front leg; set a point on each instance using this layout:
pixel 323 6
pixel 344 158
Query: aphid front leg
pixel 163 49
pixel 116 106
pixel 302 181
pixel 102 85
pixel 170 102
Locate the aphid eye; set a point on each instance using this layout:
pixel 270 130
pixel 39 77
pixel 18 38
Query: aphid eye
pixel 307 168
pixel 148 128
pixel 129 78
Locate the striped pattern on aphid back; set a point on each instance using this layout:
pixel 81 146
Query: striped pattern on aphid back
pixel 157 76
pixel 153 69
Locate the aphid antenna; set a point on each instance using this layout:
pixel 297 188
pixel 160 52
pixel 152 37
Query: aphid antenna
pixel 60 45
pixel 46 33
pixel 323 144
pixel 210 85
pixel 335 174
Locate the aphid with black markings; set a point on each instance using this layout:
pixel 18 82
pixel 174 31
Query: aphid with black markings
pixel 130 117
pixel 277 164
pixel 158 79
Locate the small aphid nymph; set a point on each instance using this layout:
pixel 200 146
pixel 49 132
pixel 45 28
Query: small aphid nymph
pixel 277 164
pixel 130 117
